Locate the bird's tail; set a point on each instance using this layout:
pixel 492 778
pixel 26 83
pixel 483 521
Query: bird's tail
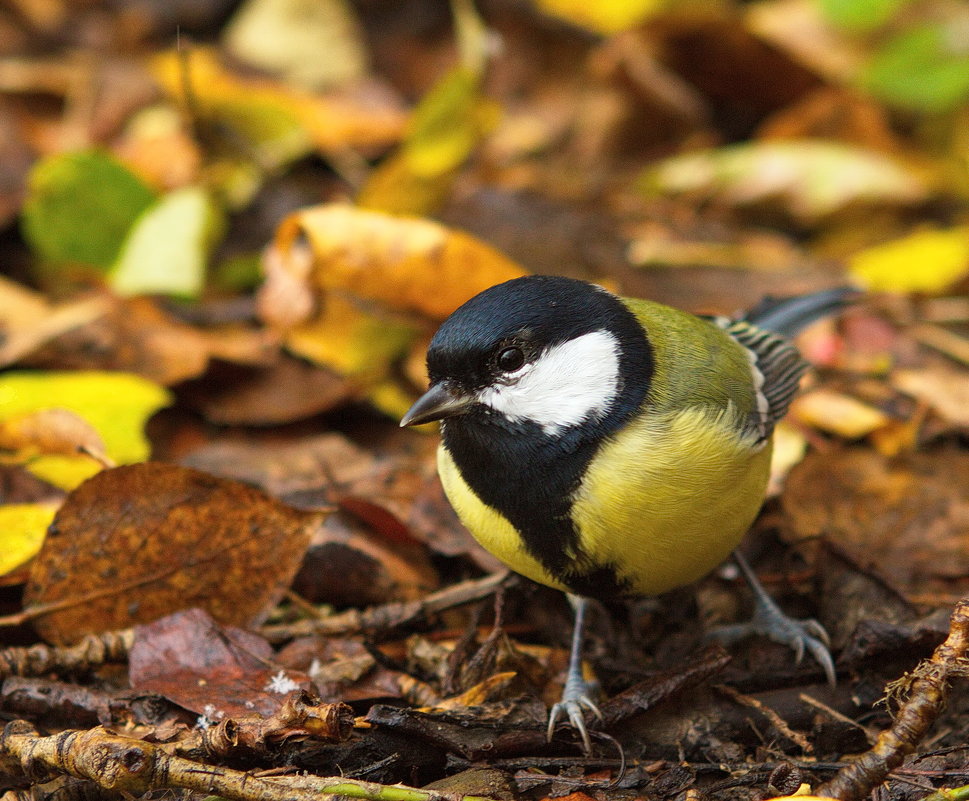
pixel 787 316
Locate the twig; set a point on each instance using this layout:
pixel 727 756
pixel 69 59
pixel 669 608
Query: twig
pixel 91 652
pixel 776 720
pixel 834 714
pixel 926 688
pixel 137 767
pixel 386 616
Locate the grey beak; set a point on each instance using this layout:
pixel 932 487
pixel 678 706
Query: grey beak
pixel 438 402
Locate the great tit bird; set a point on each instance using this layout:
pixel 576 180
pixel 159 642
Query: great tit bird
pixel 613 447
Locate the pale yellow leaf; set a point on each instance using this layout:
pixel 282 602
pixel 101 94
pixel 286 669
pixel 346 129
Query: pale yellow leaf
pixel 837 413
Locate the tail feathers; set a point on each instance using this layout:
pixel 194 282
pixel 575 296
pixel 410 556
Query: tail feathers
pixel 787 316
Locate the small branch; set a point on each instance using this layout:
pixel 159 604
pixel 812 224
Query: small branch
pixel 91 652
pixel 775 720
pixel 386 616
pixel 926 688
pixel 137 767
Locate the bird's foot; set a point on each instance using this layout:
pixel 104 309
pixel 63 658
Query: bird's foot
pixel 799 635
pixel 576 699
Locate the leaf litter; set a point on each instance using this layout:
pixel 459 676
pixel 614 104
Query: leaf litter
pixel 284 591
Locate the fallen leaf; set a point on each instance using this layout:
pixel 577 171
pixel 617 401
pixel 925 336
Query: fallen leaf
pixel 405 263
pixel 28 320
pixel 67 193
pixel 444 129
pixel 922 67
pixel 115 405
pixel 446 126
pixel 906 516
pixel 22 530
pixel 133 335
pixel 48 431
pixel 810 179
pixel 606 16
pixel 944 389
pixel 930 260
pixel 837 413
pixel 283 392
pixel 286 37
pixel 215 671
pixel 332 122
pixel 138 542
pixel 353 340
pixel 167 248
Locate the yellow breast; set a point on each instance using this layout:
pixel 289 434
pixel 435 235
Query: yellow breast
pixel 667 501
pixel 662 504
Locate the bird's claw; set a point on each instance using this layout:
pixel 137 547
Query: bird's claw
pixel 798 635
pixel 576 699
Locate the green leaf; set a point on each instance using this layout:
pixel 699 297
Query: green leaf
pixel 922 68
pixel 860 15
pixel 168 248
pixel 80 206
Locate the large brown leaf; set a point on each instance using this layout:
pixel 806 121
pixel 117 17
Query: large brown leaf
pixel 133 544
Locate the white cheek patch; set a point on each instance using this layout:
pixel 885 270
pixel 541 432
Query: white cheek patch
pixel 569 383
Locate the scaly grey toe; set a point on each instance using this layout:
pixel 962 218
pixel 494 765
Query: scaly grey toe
pixel 771 622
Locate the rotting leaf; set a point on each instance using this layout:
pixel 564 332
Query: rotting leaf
pixel 212 670
pixel 138 542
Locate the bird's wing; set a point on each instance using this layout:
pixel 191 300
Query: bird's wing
pixel 777 362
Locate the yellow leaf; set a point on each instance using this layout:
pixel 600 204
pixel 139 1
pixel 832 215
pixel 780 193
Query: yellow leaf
pixel 403 263
pixel 116 405
pixel 351 340
pixel 605 16
pixel 22 530
pixel 929 260
pixel 445 128
pixel 333 122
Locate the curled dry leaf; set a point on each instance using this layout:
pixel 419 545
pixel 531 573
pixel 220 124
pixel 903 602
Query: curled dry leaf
pixel 404 263
pixel 138 542
pixel 51 431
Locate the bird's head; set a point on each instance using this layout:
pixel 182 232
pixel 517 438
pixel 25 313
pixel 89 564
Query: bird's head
pixel 544 350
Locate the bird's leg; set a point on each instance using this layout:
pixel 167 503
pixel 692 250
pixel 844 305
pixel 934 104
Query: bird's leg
pixel 576 696
pixel 771 622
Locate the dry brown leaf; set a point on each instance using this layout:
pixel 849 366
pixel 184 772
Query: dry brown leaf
pixel 138 542
pixel 907 516
pixel 28 320
pixel 944 389
pixel 404 263
pixel 135 336
pixel 50 431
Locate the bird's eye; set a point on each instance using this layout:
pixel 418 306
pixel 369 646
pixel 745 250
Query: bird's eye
pixel 510 359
